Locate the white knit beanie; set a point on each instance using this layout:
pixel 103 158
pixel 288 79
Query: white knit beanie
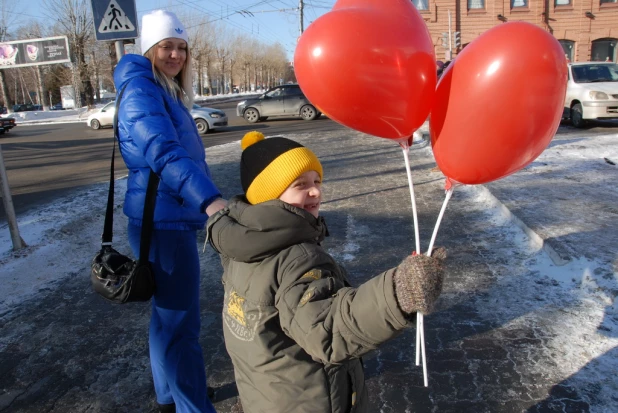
pixel 159 25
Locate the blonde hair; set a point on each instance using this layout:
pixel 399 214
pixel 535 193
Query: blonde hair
pixel 181 86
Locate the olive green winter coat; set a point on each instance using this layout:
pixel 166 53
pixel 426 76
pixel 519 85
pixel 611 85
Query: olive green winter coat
pixel 293 326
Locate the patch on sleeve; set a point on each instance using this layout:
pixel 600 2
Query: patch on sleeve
pixel 313 274
pixel 308 295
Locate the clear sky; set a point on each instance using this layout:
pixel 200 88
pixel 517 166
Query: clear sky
pixel 270 21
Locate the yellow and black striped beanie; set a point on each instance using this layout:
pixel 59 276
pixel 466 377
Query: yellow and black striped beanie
pixel 269 166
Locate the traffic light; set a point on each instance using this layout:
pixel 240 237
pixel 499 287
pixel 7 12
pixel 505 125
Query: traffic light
pixel 456 39
pixel 445 39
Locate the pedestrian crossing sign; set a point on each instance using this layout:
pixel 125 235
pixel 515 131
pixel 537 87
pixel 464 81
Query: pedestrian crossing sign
pixel 114 19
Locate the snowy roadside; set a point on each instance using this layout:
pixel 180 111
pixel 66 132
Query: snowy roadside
pixel 51 229
pixel 80 115
pixel 571 307
pixel 61 237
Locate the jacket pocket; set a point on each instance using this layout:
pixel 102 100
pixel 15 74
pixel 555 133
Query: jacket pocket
pixel 352 387
pixel 356 378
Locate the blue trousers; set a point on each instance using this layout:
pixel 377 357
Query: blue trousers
pixel 175 353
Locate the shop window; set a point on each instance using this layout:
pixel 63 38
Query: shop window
pixel 604 50
pixel 476 4
pixel 569 49
pixel 421 4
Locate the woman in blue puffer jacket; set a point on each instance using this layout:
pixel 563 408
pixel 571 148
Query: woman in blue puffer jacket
pixel 156 131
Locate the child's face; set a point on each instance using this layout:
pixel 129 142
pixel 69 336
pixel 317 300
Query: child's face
pixel 305 192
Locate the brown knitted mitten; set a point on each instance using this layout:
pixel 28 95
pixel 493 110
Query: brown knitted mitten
pixel 418 281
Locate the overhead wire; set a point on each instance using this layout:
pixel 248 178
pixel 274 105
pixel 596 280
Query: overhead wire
pixel 267 34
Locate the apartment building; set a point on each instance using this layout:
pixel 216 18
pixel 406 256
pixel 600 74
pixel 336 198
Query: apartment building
pixel 586 29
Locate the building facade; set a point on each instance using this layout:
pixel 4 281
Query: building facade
pixel 586 29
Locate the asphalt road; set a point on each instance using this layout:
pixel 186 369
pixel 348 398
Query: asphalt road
pixel 47 162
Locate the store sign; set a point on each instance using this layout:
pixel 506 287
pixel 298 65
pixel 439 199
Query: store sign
pixel 34 52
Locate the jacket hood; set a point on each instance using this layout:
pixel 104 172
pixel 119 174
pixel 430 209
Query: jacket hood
pixel 130 66
pixel 249 233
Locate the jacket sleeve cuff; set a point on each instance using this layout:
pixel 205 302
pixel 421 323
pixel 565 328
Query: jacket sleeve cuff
pixel 208 202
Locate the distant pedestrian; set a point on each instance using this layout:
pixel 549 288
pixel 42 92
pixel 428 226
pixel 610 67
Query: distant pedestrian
pixel 157 132
pixel 293 325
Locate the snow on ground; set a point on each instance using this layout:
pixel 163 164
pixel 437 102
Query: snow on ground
pixel 583 332
pixel 62 229
pixel 39 229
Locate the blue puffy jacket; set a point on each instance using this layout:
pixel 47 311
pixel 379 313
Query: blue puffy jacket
pixel 155 131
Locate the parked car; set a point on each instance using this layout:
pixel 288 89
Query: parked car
pixel 27 107
pixel 592 92
pixel 57 106
pixel 7 124
pixel 284 100
pixel 205 118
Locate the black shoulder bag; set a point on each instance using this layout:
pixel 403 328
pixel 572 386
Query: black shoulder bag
pixel 114 276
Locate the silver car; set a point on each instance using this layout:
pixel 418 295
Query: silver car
pixel 205 118
pixel 284 100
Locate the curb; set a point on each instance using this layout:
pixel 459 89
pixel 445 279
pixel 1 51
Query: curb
pixel 557 258
pixel 46 122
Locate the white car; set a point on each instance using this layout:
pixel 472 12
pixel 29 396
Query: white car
pixel 102 117
pixel 205 118
pixel 592 92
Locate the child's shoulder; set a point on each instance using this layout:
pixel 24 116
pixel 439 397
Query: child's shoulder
pixel 308 254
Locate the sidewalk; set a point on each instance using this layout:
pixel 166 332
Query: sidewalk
pixel 51 116
pixel 527 321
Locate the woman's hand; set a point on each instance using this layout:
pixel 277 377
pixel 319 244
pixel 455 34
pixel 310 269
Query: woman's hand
pixel 215 206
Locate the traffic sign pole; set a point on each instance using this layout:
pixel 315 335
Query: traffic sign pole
pixel 119 49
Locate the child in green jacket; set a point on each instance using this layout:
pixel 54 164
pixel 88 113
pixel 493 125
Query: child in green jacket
pixel 293 325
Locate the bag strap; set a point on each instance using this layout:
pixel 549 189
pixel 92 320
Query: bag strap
pixel 149 203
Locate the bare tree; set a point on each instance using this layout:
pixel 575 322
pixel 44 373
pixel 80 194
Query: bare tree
pixel 276 63
pixel 75 21
pixel 101 63
pixel 33 30
pixel 244 48
pixel 201 33
pixel 222 43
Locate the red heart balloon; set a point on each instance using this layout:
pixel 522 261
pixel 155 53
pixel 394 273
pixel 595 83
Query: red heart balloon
pixel 499 104
pixel 370 66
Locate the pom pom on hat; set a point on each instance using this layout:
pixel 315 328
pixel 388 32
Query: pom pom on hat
pixel 269 166
pixel 250 138
pixel 159 25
